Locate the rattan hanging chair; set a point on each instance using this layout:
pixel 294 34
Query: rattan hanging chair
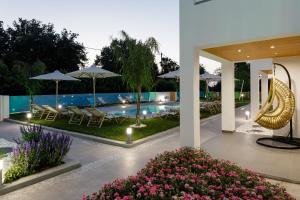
pixel 277 112
pixel 277 116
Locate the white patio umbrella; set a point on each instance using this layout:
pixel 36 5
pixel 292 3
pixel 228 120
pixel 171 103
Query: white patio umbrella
pixel 93 72
pixel 172 74
pixel 55 76
pixel 209 77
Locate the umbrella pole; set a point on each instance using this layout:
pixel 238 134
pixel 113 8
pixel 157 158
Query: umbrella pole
pixel 94 90
pixel 206 92
pixel 56 98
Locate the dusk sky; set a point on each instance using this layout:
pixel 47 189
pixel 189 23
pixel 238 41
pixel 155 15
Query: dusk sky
pixel 97 21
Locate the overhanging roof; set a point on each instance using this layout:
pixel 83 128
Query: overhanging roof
pixel 280 47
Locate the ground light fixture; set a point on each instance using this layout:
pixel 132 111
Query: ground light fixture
pixel 59 106
pixel 145 113
pixel 129 134
pixel 29 116
pixel 247 113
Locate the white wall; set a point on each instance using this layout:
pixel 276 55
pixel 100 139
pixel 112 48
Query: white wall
pixel 223 22
pixel 4 107
pixel 293 66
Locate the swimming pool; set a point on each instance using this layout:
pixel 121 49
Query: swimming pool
pixel 146 109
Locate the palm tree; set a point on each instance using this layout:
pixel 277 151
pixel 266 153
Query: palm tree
pixel 138 60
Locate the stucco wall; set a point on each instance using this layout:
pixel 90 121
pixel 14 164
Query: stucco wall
pixel 222 22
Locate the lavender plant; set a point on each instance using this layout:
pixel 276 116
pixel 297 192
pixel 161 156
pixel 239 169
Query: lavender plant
pixel 37 150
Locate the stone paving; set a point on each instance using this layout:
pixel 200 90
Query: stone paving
pixel 102 163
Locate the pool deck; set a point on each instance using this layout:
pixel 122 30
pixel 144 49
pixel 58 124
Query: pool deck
pixel 103 163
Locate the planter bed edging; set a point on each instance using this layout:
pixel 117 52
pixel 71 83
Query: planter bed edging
pixel 69 165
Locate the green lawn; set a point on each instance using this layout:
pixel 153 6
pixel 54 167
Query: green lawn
pixel 114 131
pixel 110 130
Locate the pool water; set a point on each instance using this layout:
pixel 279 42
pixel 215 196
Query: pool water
pixel 146 109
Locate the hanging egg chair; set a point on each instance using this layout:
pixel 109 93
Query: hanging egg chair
pixel 277 112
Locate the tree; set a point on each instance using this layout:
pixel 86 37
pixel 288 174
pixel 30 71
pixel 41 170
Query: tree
pixel 137 61
pixel 168 65
pixel 242 73
pixel 32 47
pixel 4 39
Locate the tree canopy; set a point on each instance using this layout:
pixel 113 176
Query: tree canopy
pixel 30 47
pixel 137 60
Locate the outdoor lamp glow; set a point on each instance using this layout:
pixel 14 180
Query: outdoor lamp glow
pixel 123 101
pixel 129 133
pixel 247 113
pixel 29 116
pixel 144 113
pixel 59 106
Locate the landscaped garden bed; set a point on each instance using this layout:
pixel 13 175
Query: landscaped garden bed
pixel 191 174
pixel 36 151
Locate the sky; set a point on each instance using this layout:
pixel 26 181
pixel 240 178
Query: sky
pixel 98 21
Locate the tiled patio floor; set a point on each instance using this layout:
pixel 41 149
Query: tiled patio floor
pixel 103 163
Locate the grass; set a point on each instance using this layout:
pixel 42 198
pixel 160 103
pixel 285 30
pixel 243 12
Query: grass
pixel 114 131
pixel 109 130
pixel 2 154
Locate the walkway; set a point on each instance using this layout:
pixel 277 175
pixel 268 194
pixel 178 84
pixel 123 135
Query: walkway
pixel 102 163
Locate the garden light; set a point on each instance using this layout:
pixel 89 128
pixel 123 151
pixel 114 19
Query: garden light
pixel 29 116
pixel 59 106
pixel 247 113
pixel 123 101
pixel 129 133
pixel 145 113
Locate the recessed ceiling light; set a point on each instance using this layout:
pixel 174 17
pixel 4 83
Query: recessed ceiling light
pixel 240 50
pixel 276 53
pixel 272 47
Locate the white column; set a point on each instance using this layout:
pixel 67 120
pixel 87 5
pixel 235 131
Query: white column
pixel 227 90
pixel 254 90
pixel 255 69
pixel 189 98
pixel 264 87
pixel 4 107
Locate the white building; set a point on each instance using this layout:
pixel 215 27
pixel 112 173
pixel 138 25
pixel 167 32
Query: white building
pixel 228 31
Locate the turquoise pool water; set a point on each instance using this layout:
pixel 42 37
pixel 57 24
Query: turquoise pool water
pixel 146 109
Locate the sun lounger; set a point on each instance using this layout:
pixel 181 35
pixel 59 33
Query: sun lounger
pixel 38 111
pixel 122 100
pixel 101 101
pixel 51 113
pixel 119 118
pixel 77 115
pixel 96 118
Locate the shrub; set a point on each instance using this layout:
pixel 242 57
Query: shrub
pixel 191 174
pixel 32 132
pixel 35 151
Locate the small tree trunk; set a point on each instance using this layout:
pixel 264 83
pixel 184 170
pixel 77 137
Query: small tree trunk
pixel 138 106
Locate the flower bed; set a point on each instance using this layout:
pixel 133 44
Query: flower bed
pixel 191 174
pixel 36 150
